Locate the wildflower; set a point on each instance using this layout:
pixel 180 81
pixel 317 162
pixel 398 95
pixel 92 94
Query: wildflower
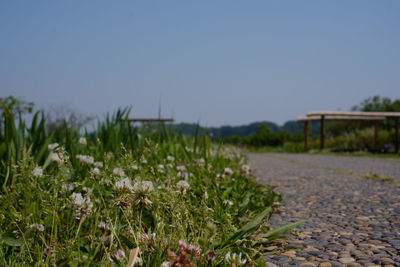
pixel 189 248
pixel 170 158
pixel 143 160
pixel 123 185
pixel 117 255
pixel 82 205
pixel 228 171
pixel 36 226
pixel 52 146
pixel 96 171
pixel 98 164
pixel 228 202
pixel 210 255
pixel 165 264
pixel 134 167
pixel 201 161
pixel 68 187
pixel 160 168
pixel 47 251
pixel 85 159
pixel 235 259
pixel 182 186
pixel 82 141
pixel 110 155
pixel 37 172
pixel 143 187
pixel 105 225
pixel 246 169
pixel 181 168
pixel 55 158
pixel 169 165
pixel 119 171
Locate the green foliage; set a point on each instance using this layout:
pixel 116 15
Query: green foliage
pixel 54 198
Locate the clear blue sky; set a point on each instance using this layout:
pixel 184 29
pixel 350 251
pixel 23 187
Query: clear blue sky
pixel 217 62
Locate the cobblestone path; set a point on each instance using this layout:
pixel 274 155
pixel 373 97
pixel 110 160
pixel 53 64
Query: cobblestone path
pixel 351 220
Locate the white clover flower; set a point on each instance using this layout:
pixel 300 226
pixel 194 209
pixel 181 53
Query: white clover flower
pixel 104 225
pixel 246 169
pixel 170 158
pixel 169 165
pixel 143 160
pixel 228 202
pixel 68 187
pixel 134 167
pixel 228 171
pixel 96 171
pixel 124 184
pixel 36 226
pixel 234 258
pixel 160 168
pixel 98 164
pixel 82 141
pixel 165 264
pixel 118 255
pixel 55 158
pixel 119 171
pixel 201 161
pixel 143 187
pixel 182 186
pixel 37 172
pixel 85 159
pixel 52 146
pixel 181 168
pixel 77 199
pixel 82 205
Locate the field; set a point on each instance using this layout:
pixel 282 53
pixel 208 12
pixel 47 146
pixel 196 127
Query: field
pixel 120 194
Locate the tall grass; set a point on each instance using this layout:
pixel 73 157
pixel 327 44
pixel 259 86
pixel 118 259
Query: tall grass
pixel 171 200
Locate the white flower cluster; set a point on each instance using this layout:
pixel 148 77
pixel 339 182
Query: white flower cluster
pixel 54 157
pixel 182 186
pixel 82 141
pixel 143 187
pixel 160 168
pixel 228 171
pixel 246 169
pixel 170 158
pixel 228 202
pixel 52 146
pixel 235 259
pixel 105 225
pixel 119 172
pixel 85 159
pixel 37 172
pixel 36 226
pixel 82 205
pixel 98 164
pixel 68 187
pixel 123 185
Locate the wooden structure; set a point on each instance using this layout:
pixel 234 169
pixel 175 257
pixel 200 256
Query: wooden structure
pixel 322 116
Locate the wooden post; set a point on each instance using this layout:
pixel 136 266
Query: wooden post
pixel 322 132
pixel 376 141
pixel 306 123
pixel 397 135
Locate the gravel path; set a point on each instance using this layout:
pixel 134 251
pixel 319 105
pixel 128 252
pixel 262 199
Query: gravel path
pixel 351 221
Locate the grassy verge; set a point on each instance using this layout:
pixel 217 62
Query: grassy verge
pixel 121 196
